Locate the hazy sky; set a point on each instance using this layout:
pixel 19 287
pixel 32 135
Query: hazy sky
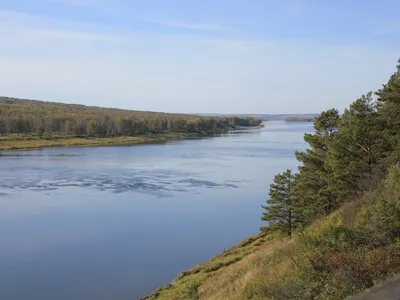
pixel 232 56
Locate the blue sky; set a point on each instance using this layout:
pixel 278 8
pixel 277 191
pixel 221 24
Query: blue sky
pixel 236 56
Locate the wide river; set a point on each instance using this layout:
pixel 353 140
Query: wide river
pixel 107 223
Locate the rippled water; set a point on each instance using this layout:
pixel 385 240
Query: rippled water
pixel 117 222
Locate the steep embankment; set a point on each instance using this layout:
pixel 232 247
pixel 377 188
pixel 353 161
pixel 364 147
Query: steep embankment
pixel 337 256
pixel 342 210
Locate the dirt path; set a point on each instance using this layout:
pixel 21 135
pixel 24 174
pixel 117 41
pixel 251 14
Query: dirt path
pixel 387 290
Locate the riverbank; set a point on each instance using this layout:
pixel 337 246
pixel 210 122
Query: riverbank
pixel 335 257
pixel 31 142
pixel 12 143
pixel 249 127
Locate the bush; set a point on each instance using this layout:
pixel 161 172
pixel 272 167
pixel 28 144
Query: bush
pixel 379 223
pixel 334 261
pixel 192 290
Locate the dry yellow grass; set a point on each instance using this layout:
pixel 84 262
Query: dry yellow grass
pixel 225 276
pixel 18 142
pixel 230 282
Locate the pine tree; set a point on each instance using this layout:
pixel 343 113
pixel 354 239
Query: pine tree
pixel 358 146
pixel 388 104
pixel 281 212
pixel 315 183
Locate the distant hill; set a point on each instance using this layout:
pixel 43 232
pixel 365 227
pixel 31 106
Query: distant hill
pixel 22 116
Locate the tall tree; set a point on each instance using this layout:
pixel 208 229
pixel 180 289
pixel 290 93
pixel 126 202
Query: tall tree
pixel 315 183
pixel 281 212
pixel 388 104
pixel 358 145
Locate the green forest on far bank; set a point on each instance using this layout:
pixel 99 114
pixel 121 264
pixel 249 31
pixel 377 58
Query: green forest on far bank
pixel 19 116
pixel 31 124
pixel 298 119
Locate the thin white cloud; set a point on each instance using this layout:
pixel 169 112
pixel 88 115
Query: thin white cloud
pixel 25 26
pixel 71 35
pixel 180 72
pixel 82 3
pixel 185 25
pixel 14 18
pixel 104 6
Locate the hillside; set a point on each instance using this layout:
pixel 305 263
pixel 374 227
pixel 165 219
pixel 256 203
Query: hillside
pixel 332 228
pixel 337 256
pixel 33 124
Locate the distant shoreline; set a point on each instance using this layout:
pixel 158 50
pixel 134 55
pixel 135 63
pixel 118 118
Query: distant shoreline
pixel 32 124
pixel 249 127
pixel 37 143
pixel 299 120
pixel 25 143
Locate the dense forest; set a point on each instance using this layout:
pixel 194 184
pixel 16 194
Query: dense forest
pixel 18 116
pixel 333 226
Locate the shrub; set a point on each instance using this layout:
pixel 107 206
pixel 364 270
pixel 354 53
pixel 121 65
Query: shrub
pixel 192 290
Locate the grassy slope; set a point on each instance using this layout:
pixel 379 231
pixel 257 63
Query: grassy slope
pixel 52 108
pixel 218 275
pixel 336 257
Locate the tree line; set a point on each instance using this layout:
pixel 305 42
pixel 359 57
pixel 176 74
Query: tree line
pixel 298 119
pixel 345 153
pixel 20 116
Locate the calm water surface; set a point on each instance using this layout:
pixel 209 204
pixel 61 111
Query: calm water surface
pixel 117 222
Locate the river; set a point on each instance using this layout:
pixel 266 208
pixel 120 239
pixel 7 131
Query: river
pixel 104 223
